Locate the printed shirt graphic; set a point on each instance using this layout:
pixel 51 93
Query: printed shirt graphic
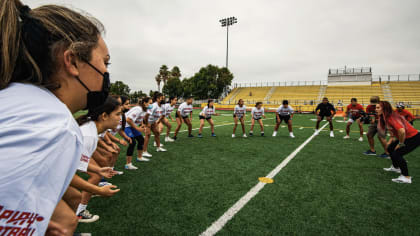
pixel 285 111
pixel 167 109
pixel 185 109
pixel 208 112
pixel 355 110
pixel 136 114
pixel 257 113
pixel 40 149
pixel 90 142
pixel 154 113
pixel 239 111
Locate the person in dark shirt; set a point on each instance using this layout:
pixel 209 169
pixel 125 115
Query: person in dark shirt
pixel 325 109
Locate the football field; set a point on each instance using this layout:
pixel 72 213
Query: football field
pixel 328 188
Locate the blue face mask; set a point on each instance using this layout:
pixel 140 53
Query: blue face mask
pixel 150 106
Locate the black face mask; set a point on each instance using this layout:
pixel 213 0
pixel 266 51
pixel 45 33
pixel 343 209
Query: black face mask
pixel 97 98
pixel 125 110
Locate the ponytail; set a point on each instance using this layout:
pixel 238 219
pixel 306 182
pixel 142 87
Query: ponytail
pixel 143 101
pixel 31 40
pixel 110 105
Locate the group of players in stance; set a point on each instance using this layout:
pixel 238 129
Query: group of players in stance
pixel 54 63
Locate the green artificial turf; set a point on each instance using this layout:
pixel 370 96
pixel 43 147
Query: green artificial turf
pixel 329 188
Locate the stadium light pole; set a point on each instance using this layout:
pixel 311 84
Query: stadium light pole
pixel 226 22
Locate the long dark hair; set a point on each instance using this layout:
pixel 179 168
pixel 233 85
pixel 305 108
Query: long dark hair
pixel 208 103
pixel 389 113
pixel 171 99
pixel 258 103
pixel 30 41
pixel 123 117
pixel 143 101
pixel 110 105
pixel 156 96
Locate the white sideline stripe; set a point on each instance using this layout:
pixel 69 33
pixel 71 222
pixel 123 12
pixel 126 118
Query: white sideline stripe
pixel 229 214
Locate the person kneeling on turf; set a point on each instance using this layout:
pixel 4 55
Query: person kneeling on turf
pixel 284 112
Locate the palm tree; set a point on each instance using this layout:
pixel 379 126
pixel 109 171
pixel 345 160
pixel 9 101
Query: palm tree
pixel 164 73
pixel 158 79
pixel 175 72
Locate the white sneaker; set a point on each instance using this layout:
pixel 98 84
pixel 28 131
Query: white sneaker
pixel 169 140
pixel 316 132
pixel 274 133
pixel 402 180
pixel 143 159
pixel 103 184
pixel 233 136
pixel 361 139
pixel 244 136
pixel 119 172
pixel 332 134
pixel 146 154
pixel 291 135
pixel 393 169
pixel 154 144
pixel 160 149
pixel 346 137
pixel 130 167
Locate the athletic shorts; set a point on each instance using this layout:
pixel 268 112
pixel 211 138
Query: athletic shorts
pixel 183 117
pixel 131 132
pixel 353 119
pixel 204 118
pixel 239 117
pixel 285 118
pixel 373 129
pixel 256 118
pixel 324 115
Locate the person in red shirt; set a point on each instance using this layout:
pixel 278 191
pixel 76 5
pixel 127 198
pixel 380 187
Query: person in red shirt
pixel 353 112
pixel 373 129
pixel 406 114
pixel 405 139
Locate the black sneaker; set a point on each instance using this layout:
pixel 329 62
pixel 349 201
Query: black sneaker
pixel 86 217
pixel 370 153
pixel 251 134
pixel 174 138
pixel 262 134
pixel 190 136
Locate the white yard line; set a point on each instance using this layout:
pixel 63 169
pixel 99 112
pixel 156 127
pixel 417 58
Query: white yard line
pixel 229 214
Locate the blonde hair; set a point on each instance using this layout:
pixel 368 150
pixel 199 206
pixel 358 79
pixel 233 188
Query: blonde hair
pixel 31 40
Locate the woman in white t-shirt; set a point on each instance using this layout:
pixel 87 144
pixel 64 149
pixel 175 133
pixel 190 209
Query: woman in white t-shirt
pixel 95 122
pixel 134 129
pixel 239 113
pixel 167 111
pixel 53 62
pixel 257 114
pixel 153 118
pixel 184 114
pixel 206 114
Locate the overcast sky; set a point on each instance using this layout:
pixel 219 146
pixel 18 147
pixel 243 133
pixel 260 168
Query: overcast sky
pixel 274 40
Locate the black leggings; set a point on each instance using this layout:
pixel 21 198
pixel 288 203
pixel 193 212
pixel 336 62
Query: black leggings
pixel 397 158
pixel 130 149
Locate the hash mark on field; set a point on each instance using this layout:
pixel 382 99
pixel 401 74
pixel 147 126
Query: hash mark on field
pixel 229 214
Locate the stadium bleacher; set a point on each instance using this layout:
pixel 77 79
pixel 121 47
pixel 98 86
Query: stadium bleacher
pixel 306 97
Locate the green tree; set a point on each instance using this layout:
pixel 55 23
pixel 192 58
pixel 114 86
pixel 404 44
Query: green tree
pixel 120 88
pixel 187 87
pixel 158 79
pixel 210 82
pixel 173 88
pixel 164 74
pixel 136 95
pixel 175 73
